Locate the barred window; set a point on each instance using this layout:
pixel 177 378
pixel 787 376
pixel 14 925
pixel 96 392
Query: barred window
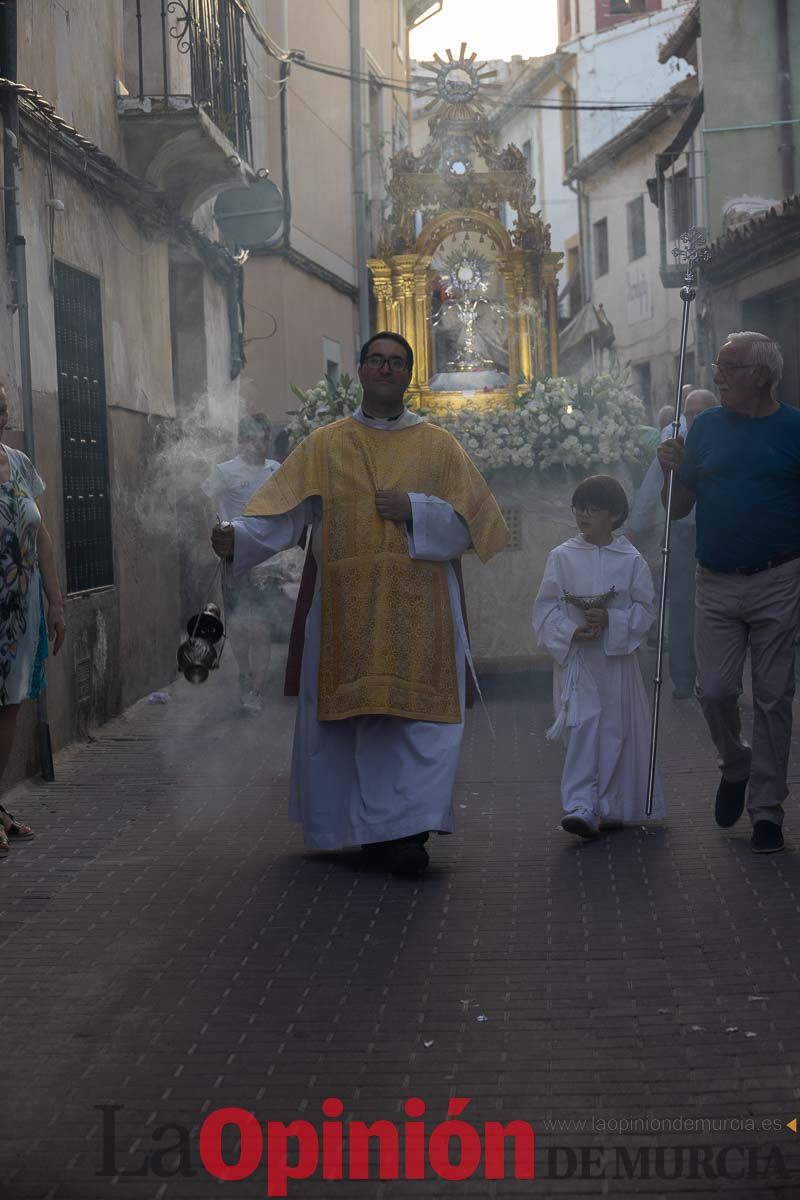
pixel 84 433
pixel 513 519
pixel 637 244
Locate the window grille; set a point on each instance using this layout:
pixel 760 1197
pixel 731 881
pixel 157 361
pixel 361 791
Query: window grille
pixel 84 435
pixel 601 247
pixel 213 34
pixel 637 245
pixel 680 204
pixel 513 519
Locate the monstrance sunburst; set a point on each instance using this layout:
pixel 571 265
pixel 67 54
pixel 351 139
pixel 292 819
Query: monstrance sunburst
pixel 452 82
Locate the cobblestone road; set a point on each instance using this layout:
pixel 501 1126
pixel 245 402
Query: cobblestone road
pixel 168 947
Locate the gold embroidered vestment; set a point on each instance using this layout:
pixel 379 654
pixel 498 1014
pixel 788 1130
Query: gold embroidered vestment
pixel 387 637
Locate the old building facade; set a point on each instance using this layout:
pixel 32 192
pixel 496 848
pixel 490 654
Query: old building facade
pixel 132 336
pixel 748 167
pixel 573 111
pixel 333 132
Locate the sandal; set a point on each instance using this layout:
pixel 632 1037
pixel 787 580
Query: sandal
pixel 4 847
pixel 14 830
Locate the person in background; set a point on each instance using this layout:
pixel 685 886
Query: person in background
pixel 740 467
pixel 646 523
pixel 229 487
pixel 27 568
pixel 280 445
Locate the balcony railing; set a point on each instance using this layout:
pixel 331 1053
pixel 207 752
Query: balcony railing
pixel 211 34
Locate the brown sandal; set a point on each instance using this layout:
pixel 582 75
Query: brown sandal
pixel 4 847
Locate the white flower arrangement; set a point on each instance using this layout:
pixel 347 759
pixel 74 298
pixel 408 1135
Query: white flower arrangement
pixel 581 424
pixel 326 401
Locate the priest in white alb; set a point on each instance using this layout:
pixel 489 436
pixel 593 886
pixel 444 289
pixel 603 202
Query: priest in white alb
pixel 392 502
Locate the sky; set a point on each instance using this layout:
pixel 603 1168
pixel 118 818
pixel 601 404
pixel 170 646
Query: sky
pixel 494 28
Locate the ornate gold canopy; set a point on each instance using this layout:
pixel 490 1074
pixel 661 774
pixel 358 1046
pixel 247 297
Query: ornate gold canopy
pixel 446 248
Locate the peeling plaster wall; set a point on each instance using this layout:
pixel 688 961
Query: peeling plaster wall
pixel 73 54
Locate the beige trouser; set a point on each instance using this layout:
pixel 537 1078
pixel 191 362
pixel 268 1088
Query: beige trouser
pixel 763 611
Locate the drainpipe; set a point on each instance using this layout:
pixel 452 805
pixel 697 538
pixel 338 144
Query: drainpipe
pixel 359 190
pixel 15 250
pixel 283 77
pixel 786 146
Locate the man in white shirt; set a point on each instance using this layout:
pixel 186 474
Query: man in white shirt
pixel 229 487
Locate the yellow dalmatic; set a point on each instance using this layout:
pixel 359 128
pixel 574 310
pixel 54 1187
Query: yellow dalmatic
pixel 387 638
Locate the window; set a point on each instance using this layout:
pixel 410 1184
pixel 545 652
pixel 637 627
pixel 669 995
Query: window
pixel 679 201
pixel 574 289
pixel 513 519
pixel 332 358
pixel 600 248
pixel 637 246
pixel 626 7
pixel 642 383
pixel 84 432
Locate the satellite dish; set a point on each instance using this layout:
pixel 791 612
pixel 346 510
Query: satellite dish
pixel 250 217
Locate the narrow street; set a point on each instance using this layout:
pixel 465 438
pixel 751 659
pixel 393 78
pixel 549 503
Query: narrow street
pixel 169 948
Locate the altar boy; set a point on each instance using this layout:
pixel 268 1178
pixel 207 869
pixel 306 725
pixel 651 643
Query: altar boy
pixel 592 611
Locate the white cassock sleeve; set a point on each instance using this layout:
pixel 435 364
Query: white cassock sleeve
pixel 627 627
pixel 437 533
pixel 646 509
pixel 553 628
pixel 258 538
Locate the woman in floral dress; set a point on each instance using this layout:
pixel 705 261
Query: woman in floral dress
pixel 27 565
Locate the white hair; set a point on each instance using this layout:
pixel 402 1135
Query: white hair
pixel 764 352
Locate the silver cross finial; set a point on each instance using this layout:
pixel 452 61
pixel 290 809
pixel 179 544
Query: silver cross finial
pixel 693 251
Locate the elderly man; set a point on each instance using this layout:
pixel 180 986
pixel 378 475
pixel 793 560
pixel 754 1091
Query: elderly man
pixel 645 513
pixel 392 502
pixel 741 466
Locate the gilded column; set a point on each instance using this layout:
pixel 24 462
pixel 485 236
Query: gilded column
pixel 552 306
pixel 512 298
pixel 404 292
pixel 422 322
pixel 542 360
pixel 382 283
pixel 550 289
pixel 524 322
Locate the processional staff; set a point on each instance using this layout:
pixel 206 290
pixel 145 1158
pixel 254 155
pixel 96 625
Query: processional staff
pixel 692 252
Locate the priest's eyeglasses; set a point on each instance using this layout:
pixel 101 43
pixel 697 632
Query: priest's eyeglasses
pixel 732 366
pixel 375 362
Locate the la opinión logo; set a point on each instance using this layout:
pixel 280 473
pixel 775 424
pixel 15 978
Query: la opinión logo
pixel 455 1149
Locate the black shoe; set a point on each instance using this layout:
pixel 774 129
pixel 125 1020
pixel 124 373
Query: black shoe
pixel 579 827
pixel 730 801
pixel 378 851
pixel 410 858
pixel 767 838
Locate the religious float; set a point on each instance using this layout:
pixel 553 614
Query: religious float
pixel 466 273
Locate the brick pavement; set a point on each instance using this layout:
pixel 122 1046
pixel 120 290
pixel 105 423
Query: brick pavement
pixel 167 946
